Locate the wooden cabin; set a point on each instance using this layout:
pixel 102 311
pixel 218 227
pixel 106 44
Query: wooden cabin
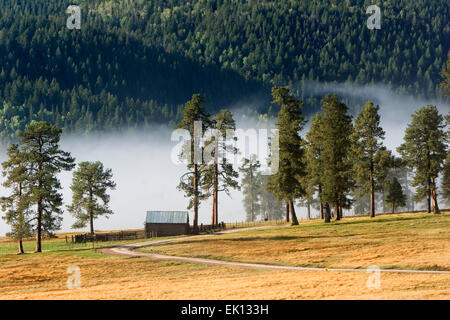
pixel 166 223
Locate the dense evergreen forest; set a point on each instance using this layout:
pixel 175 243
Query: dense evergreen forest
pixel 136 62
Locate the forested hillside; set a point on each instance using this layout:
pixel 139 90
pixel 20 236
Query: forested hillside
pixel 136 62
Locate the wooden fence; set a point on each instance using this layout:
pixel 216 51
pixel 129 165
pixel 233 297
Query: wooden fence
pixel 249 224
pixel 233 225
pixel 208 228
pixel 111 236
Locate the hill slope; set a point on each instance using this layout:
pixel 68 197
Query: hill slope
pixel 137 62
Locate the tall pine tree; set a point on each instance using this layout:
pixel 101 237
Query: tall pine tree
pixel 196 121
pixel 289 183
pixel 446 175
pixel 370 158
pixel 219 175
pixel 251 184
pixel 17 206
pixel 337 166
pixel 314 160
pixel 40 147
pixel 424 151
pixel 90 184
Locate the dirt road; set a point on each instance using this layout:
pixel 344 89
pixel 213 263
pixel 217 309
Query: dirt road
pixel 129 250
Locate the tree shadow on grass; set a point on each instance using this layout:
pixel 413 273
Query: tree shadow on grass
pixel 242 239
pixel 374 221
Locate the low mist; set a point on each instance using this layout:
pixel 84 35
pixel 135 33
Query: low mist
pixel 147 178
pixel 395 109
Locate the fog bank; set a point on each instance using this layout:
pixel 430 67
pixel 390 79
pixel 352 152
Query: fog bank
pixel 147 178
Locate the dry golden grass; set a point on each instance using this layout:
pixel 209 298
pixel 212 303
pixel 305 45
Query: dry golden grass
pixel 43 276
pixel 412 241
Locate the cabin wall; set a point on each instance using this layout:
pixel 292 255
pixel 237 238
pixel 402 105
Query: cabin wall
pixel 166 229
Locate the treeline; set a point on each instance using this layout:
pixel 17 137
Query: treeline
pixel 341 160
pixel 136 62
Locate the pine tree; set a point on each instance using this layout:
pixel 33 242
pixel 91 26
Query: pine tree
pixel 219 175
pixel 314 157
pixel 424 151
pixel 40 147
pixel 289 183
pixel 369 156
pixel 17 205
pixel 446 176
pixel 195 119
pixel 446 86
pixel 399 170
pixel 89 185
pixel 271 208
pixel 337 166
pixel 395 197
pixel 251 185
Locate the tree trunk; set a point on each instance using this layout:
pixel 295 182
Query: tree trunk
pixel 39 209
pixel 91 222
pixel 372 197
pixel 20 246
pixel 252 206
pixel 309 211
pixel 215 213
pixel 434 197
pixel 321 204
pixel 293 215
pixel 428 184
pixel 336 211
pixel 287 211
pixel 195 198
pixel 20 235
pixel 39 226
pixel 327 213
pixel 91 214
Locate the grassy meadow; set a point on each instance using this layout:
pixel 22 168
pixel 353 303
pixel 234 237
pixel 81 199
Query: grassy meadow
pixel 414 241
pixel 400 241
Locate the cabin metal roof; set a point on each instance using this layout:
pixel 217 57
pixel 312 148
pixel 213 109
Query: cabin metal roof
pixel 167 217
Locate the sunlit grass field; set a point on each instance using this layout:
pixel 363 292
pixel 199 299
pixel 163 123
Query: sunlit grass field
pixel 409 241
pixel 416 241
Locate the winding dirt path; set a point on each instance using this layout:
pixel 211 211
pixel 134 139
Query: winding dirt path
pixel 129 250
